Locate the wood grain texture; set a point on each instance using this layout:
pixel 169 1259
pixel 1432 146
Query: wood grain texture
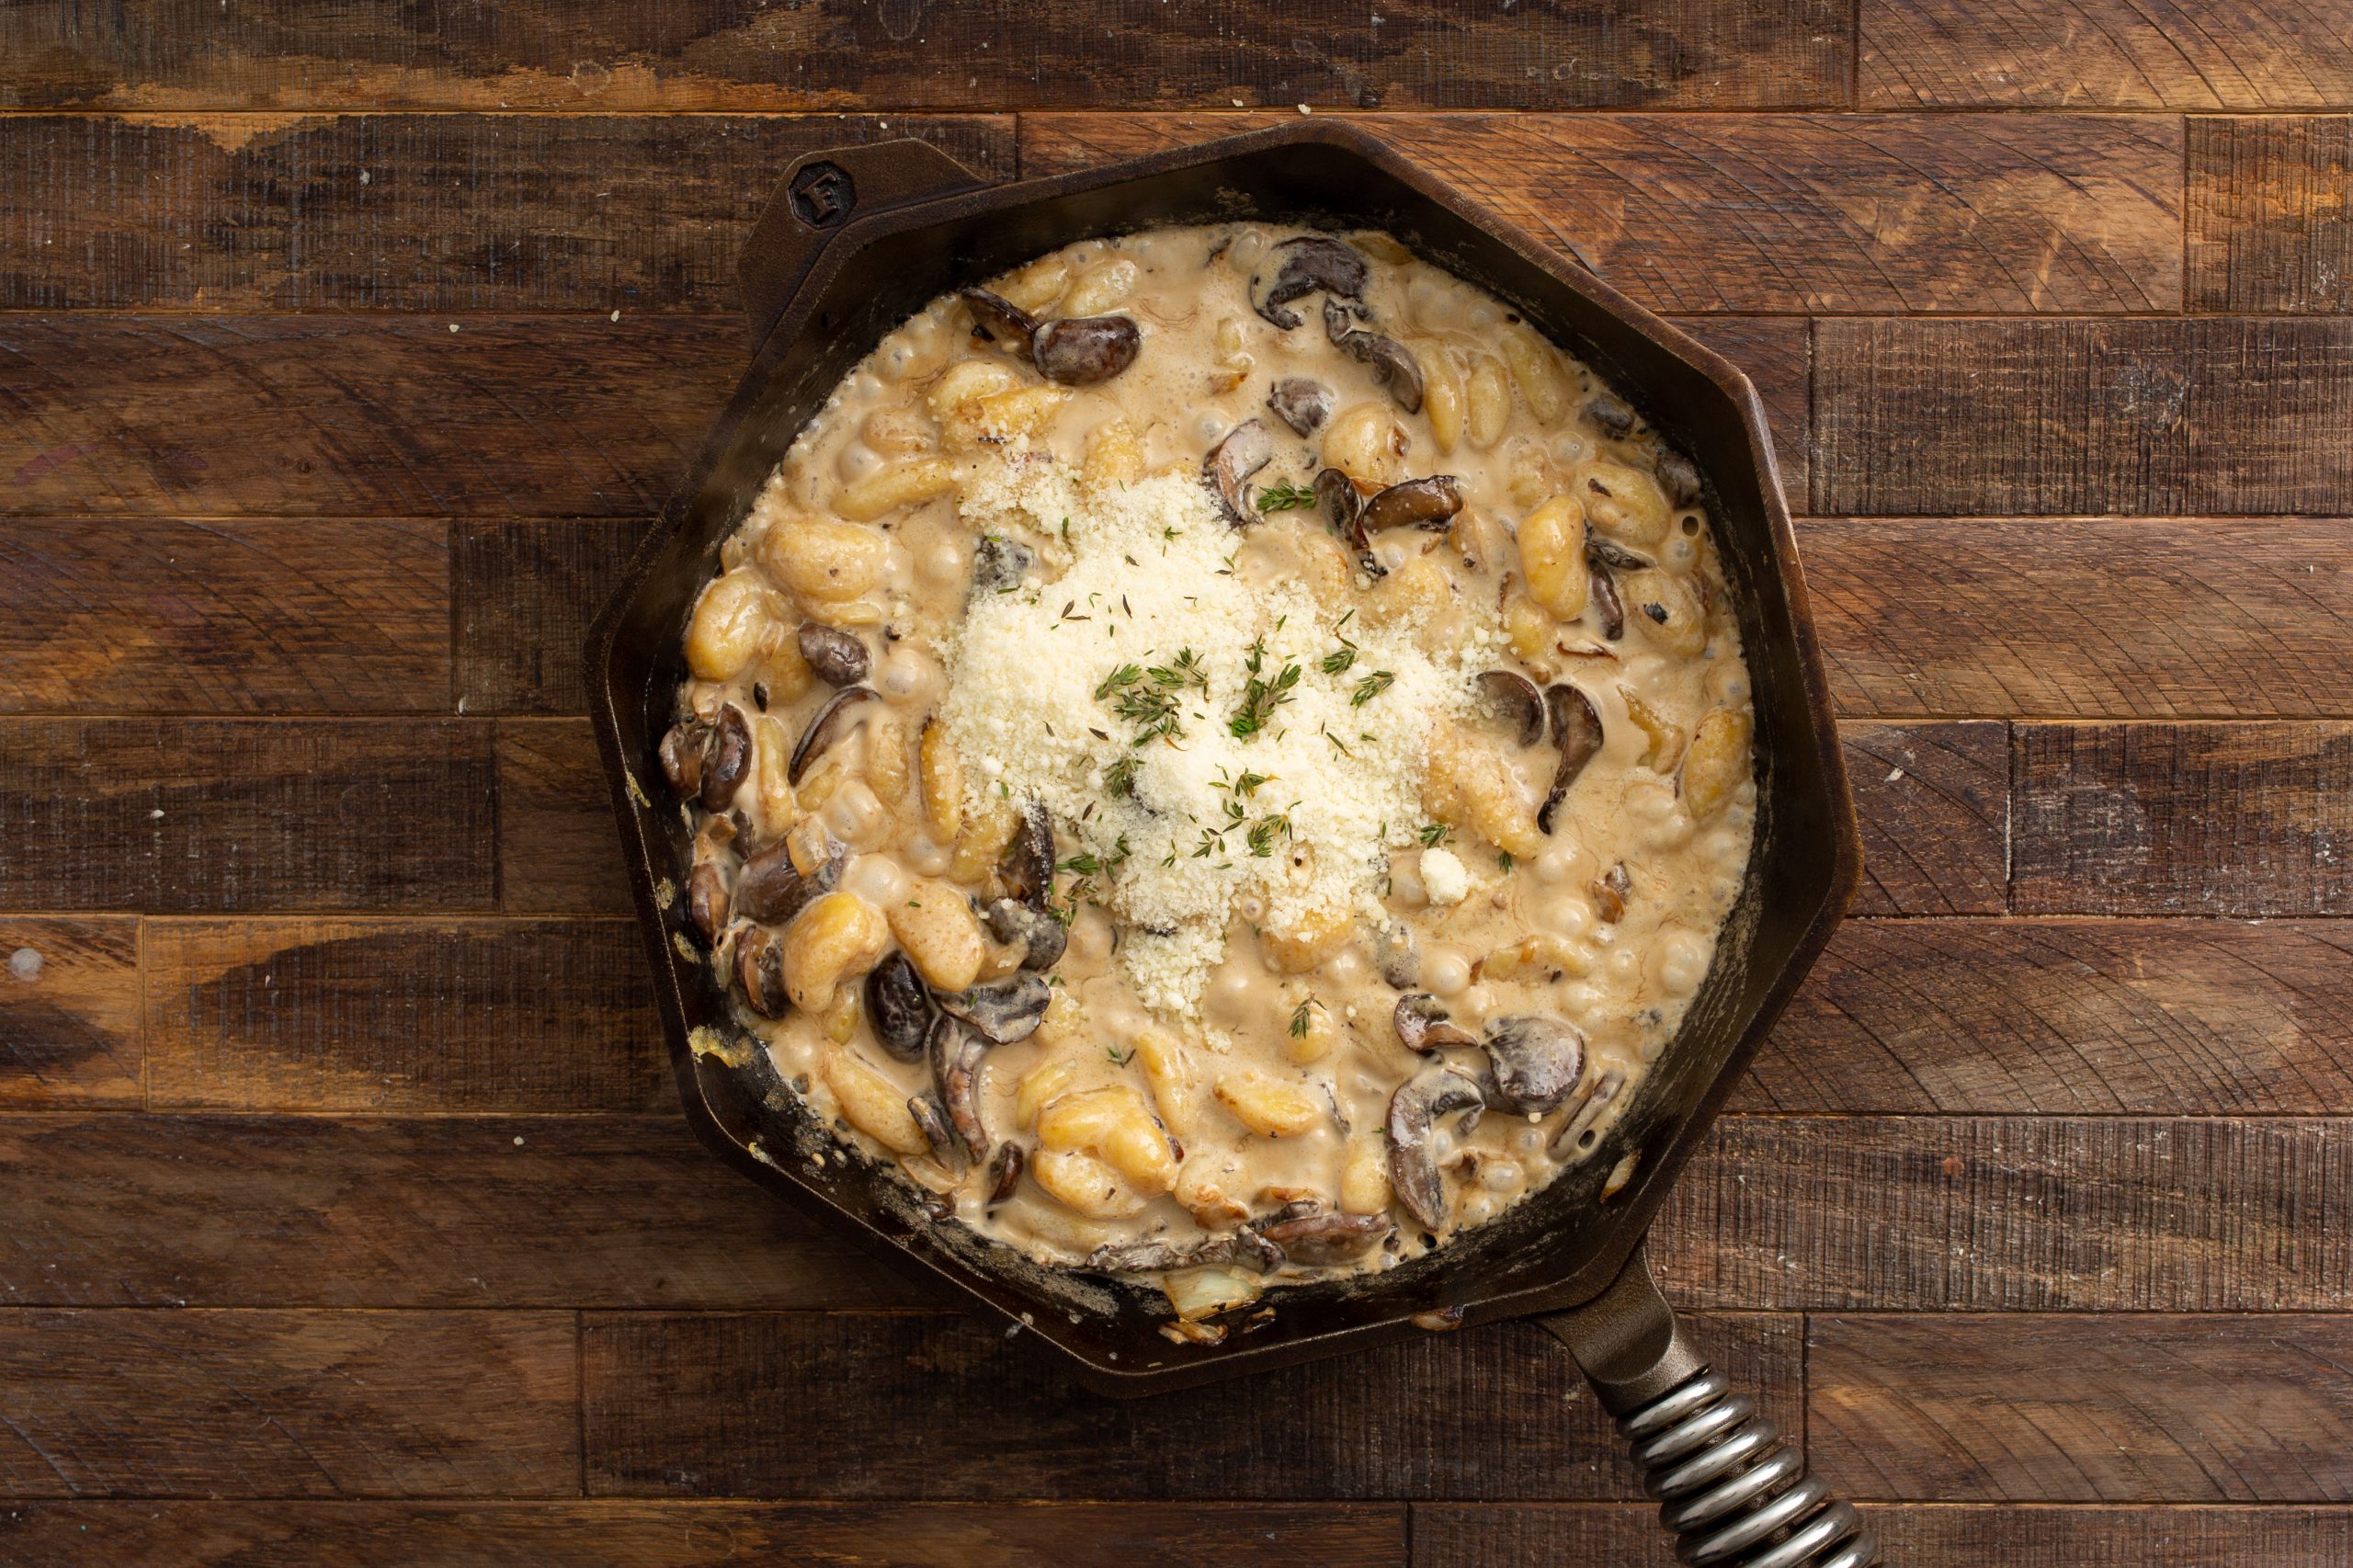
pixel 2150 417
pixel 2083 617
pixel 614 1533
pixel 559 847
pixel 2057 1409
pixel 744 1404
pixel 415 212
pixel 1454 1534
pixel 2184 819
pixel 2103 54
pixel 401 1211
pixel 1795 212
pixel 525 594
pixel 1932 801
pixel 2067 1017
pixel 2270 213
pixel 1776 354
pixel 691 54
pixel 2002 1214
pixel 70 1032
pixel 374 1016
pixel 326 416
pixel 287 1405
pixel 199 814
pixel 151 616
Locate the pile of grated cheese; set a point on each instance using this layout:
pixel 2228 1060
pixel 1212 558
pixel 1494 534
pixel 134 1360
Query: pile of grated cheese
pixel 1300 813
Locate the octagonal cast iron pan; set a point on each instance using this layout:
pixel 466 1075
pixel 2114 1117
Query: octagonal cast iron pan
pixel 858 239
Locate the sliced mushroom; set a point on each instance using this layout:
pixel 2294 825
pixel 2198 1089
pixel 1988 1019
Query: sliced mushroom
pixel 1083 350
pixel 682 750
pixel 1301 403
pixel 1028 867
pixel 1005 1172
pixel 1394 956
pixel 1319 1240
pixel 827 727
pixel 1245 1247
pixel 1393 364
pixel 760 969
pixel 1609 891
pixel 1613 414
pixel 999 563
pixel 1607 553
pixel 931 1121
pixel 1041 935
pixel 707 898
pixel 1413 1113
pixel 956 1054
pixel 1429 504
pixel 1536 1060
pixel 898 1005
pixel 1606 602
pixel 1576 729
pixel 1003 1010
pixel 837 656
pixel 1519 700
pixel 1247 448
pixel 1001 318
pixel 1678 476
pixel 1335 495
pixel 1309 262
pixel 1578 1127
pixel 1422 1026
pixel 726 759
pixel 771 889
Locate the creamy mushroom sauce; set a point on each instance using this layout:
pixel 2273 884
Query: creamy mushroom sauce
pixel 1249 1043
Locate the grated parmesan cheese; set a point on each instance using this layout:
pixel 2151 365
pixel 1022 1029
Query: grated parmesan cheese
pixel 1286 824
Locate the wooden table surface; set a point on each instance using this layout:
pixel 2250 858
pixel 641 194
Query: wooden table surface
pixel 345 1214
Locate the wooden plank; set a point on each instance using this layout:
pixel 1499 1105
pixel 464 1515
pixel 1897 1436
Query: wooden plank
pixel 1776 354
pixel 1454 1534
pixel 2084 616
pixel 526 593
pixel 2268 224
pixel 204 814
pixel 1792 212
pixel 141 616
pixel 410 212
pixel 381 1015
pixel 2068 1018
pixel 617 1533
pixel 2067 1409
pixel 2184 819
pixel 393 1211
pixel 2101 54
pixel 2025 1214
pixel 358 416
pixel 2014 417
pixel 287 1405
pixel 1933 802
pixel 718 1405
pixel 610 56
pixel 559 849
pixel 69 1013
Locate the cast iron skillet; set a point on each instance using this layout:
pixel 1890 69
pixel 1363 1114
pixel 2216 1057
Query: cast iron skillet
pixel 856 240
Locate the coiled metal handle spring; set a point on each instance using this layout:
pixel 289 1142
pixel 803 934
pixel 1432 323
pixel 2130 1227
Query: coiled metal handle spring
pixel 1734 1496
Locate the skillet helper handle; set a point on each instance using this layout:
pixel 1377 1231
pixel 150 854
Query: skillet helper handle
pixel 820 193
pixel 1729 1491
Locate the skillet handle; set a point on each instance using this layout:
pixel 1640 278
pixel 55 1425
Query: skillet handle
pixel 1728 1490
pixel 821 192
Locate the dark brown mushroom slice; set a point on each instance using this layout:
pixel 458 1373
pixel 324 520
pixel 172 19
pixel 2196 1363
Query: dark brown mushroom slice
pixel 726 759
pixel 1422 1026
pixel 1324 1240
pixel 1678 476
pixel 1601 551
pixel 1301 403
pixel 707 898
pixel 1040 933
pixel 898 1006
pixel 1003 1010
pixel 1005 1172
pixel 1413 1113
pixel 999 564
pixel 1429 503
pixel 1246 1246
pixel 1393 956
pixel 759 971
pixel 1308 262
pixel 1393 364
pixel 837 656
pixel 1613 414
pixel 956 1054
pixel 1082 350
pixel 1247 448
pixel 1537 1060
pixel 682 750
pixel 1609 891
pixel 827 727
pixel 771 889
pixel 1516 697
pixel 1576 730
pixel 1001 318
pixel 931 1121
pixel 1027 867
pixel 1607 604
pixel 1343 508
